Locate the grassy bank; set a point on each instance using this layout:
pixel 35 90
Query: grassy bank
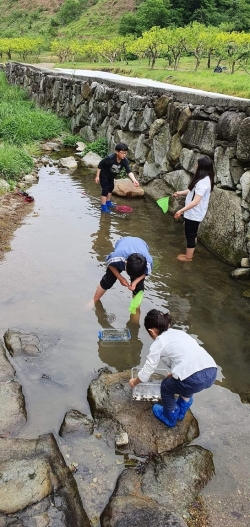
pixel 21 125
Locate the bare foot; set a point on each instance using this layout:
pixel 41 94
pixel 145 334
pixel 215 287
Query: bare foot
pixel 183 258
pixel 90 305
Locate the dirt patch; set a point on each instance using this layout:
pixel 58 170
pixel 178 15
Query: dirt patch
pixel 13 210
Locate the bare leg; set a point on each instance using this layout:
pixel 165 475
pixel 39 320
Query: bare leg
pixel 186 257
pixel 185 398
pixel 134 318
pixel 103 200
pixel 99 293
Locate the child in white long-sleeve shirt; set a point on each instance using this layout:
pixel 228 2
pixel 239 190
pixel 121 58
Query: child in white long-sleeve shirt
pixel 191 368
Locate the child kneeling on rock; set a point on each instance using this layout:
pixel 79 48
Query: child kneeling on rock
pixel 192 368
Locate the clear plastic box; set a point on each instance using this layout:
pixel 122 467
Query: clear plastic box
pixel 114 335
pixel 150 390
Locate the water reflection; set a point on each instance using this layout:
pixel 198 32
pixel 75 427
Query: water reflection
pixel 102 244
pixel 119 355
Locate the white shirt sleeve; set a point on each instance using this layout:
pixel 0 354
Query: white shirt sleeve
pixel 202 186
pixel 152 361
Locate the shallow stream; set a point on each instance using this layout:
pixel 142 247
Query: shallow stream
pixel 51 273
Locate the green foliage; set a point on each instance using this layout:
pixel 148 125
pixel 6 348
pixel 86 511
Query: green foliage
pixel 100 147
pixel 70 10
pixel 14 161
pixel 20 121
pixel 71 140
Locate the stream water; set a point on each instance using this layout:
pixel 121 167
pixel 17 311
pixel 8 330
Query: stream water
pixel 51 273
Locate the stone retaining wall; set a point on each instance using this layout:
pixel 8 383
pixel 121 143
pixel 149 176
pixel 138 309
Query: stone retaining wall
pixel 166 130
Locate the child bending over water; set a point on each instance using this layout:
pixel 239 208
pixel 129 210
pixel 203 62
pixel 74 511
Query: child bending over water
pixel 192 369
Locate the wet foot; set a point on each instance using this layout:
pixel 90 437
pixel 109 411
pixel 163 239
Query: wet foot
pixel 183 258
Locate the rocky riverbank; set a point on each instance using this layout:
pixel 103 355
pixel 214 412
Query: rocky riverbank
pixel 37 486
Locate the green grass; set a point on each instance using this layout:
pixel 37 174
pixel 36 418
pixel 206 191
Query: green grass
pixel 14 161
pixel 237 84
pixel 21 125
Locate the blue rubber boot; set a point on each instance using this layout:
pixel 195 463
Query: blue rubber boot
pixel 184 406
pixel 110 204
pixel 166 417
pixel 104 208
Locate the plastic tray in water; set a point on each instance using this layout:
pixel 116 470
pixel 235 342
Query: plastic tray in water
pixel 114 335
pixel 151 390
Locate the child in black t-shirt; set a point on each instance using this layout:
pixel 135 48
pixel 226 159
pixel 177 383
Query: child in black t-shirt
pixel 108 168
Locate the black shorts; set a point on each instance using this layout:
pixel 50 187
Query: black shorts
pixel 107 184
pixel 109 279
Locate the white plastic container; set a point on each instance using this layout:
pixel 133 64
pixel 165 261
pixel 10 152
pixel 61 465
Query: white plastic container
pixel 150 390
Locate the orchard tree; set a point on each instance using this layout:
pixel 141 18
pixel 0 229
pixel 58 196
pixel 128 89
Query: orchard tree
pixel 176 42
pixel 194 35
pixel 235 47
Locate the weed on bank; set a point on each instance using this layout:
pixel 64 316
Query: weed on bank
pixel 21 124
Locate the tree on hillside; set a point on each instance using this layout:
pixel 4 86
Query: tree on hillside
pixel 70 10
pixel 128 25
pixel 150 13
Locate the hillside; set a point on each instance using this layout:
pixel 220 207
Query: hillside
pixel 96 17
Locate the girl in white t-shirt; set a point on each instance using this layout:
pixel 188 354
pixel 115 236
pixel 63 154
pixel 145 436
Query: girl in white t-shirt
pixel 196 204
pixel 191 368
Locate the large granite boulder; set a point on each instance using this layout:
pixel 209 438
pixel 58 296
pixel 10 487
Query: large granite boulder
pixel 223 228
pixel 36 486
pixel 111 403
pixel 229 124
pixel 243 141
pixel 161 492
pixel 200 135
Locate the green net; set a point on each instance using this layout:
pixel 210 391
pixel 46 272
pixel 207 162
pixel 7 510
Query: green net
pixel 136 302
pixel 163 203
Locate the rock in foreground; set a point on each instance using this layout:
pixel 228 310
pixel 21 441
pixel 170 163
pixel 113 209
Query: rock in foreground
pixel 36 486
pixel 111 403
pixel 162 493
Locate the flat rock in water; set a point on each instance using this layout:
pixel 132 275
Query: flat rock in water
pixel 18 343
pixel 126 189
pixel 162 492
pixel 111 403
pixel 37 486
pixel 67 162
pixel 76 423
pixel 91 160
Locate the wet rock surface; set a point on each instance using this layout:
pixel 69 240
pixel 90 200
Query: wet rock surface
pixel 36 486
pixel 110 398
pixel 12 403
pixel 18 343
pixel 169 482
pixel 76 423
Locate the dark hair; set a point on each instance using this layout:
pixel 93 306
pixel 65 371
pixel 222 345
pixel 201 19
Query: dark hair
pixel 205 168
pixel 157 319
pixel 136 265
pixel 121 146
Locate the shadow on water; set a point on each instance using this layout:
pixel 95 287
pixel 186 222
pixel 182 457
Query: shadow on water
pixel 56 262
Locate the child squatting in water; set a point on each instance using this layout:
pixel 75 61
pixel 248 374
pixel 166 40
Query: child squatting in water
pixel 191 367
